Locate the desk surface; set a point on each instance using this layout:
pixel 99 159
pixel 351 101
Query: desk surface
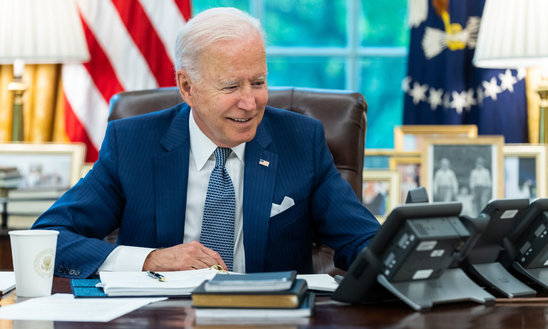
pixel 178 313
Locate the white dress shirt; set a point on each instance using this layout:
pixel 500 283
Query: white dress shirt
pixel 200 166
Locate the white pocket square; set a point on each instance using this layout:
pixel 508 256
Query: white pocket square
pixel 287 203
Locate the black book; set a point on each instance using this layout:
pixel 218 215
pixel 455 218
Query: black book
pixel 289 298
pixel 262 281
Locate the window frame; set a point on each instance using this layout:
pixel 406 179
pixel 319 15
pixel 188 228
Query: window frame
pixel 352 54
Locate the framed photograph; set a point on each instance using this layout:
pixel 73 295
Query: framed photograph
pixel 380 192
pixel 86 167
pixel 41 166
pixel 466 170
pixel 411 137
pixel 375 159
pixel 524 171
pixel 409 168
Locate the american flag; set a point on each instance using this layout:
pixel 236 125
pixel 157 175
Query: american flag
pixel 131 43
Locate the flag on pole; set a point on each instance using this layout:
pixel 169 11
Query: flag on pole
pixel 131 44
pixel 443 86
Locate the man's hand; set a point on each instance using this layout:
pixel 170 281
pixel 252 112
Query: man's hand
pixel 186 256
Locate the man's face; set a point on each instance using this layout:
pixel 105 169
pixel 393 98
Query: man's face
pixel 229 98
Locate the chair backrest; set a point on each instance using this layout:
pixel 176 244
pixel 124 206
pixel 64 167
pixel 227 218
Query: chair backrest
pixel 342 113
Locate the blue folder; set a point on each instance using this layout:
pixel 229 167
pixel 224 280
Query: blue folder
pixel 86 288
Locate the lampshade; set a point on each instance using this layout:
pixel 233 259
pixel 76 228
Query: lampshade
pixel 41 31
pixel 513 34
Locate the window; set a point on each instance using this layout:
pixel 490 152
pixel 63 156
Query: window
pixel 338 44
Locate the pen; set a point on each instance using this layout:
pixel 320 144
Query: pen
pixel 156 276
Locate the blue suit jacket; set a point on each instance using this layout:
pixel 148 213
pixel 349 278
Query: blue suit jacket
pixel 139 185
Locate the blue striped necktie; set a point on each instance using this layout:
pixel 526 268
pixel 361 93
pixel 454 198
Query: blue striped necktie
pixel 218 222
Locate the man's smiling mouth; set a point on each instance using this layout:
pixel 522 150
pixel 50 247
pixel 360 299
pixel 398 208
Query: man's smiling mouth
pixel 239 120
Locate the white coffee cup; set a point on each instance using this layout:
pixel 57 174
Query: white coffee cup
pixel 33 254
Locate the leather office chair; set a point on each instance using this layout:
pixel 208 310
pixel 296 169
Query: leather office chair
pixel 342 113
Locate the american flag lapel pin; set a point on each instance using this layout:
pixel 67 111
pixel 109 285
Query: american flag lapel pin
pixel 264 163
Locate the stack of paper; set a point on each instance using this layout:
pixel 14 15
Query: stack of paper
pixel 178 283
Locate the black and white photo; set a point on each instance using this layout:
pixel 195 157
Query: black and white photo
pixel 464 170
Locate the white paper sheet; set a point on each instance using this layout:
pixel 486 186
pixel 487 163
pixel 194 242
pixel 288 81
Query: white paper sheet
pixel 7 282
pixel 64 307
pixel 319 282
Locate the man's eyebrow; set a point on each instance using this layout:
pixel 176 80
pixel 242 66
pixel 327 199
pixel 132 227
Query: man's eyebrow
pixel 229 82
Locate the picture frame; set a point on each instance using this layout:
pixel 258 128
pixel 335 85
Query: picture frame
pixel 409 169
pixel 468 170
pixel 86 167
pixel 524 171
pixel 44 165
pixel 410 137
pixel 380 192
pixel 376 159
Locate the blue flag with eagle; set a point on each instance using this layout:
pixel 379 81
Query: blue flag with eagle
pixel 444 87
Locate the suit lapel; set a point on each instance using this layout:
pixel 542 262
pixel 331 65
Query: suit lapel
pixel 170 186
pixel 170 181
pixel 259 180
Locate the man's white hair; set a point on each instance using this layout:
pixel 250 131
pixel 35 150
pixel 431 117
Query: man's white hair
pixel 223 23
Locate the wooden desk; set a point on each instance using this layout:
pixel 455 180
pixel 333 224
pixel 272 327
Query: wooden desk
pixel 178 313
pixel 5 251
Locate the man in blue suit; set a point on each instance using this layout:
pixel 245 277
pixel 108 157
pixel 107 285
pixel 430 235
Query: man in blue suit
pixel 153 172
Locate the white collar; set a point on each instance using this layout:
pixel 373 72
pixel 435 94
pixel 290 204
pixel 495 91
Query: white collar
pixel 202 147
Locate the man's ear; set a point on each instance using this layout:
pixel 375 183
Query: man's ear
pixel 185 86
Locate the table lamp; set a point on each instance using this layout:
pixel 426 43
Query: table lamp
pixel 35 32
pixel 513 34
